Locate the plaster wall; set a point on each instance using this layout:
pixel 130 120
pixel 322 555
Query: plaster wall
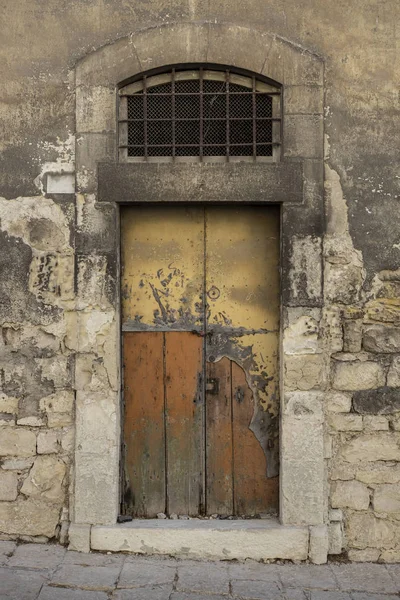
pixel 341 272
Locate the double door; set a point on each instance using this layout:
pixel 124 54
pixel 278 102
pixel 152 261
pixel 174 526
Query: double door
pixel 200 319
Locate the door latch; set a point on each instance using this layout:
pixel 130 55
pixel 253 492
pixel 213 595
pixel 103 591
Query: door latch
pixel 239 395
pixel 212 385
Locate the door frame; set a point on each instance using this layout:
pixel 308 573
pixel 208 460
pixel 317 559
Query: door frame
pixel 95 498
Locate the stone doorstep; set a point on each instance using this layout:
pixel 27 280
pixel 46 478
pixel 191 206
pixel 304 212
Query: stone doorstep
pixel 253 539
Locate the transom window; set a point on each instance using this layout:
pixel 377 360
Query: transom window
pixel 200 114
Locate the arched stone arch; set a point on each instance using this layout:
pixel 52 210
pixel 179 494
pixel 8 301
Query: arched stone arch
pixel 98 76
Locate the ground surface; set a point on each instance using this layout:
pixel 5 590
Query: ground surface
pixel 48 572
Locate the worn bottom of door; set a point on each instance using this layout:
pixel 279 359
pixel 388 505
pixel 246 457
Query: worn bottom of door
pixel 200 352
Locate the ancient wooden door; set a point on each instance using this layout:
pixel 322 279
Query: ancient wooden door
pixel 200 318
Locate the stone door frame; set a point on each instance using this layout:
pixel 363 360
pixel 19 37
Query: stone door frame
pixel 303 494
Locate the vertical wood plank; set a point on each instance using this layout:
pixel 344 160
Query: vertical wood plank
pixel 184 422
pixel 253 491
pixel 144 424
pixel 219 452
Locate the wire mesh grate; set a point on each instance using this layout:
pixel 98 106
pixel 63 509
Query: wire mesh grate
pixel 200 117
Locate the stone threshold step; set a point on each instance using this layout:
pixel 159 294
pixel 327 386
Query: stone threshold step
pixel 256 539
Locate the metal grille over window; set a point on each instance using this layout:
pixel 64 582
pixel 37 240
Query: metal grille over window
pixel 199 115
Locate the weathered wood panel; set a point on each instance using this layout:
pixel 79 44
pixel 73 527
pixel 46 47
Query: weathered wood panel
pixel 144 424
pixel 254 492
pixel 219 468
pixel 184 405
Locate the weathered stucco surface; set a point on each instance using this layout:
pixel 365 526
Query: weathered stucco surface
pixel 341 270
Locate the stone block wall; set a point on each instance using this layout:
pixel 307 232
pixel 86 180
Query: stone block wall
pixel 340 286
pixel 363 419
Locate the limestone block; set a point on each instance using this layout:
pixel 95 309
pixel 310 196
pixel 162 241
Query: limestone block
pixel 395 422
pixel 97 420
pixel 17 464
pixel 303 471
pixel 58 419
pixel 385 310
pixel 343 282
pixel 381 338
pixel 378 423
pixel 364 530
pixel 15 441
pixel 92 282
pixel 379 472
pixel 305 372
pixel 32 516
pixel 92 148
pixel 342 470
pixel 31 421
pixel 372 447
pixel 182 42
pixel 393 378
pixel 7 420
pixel 306 269
pixel 47 442
pixel 56 369
pixel 79 537
pixel 352 335
pixel 88 330
pixel 303 99
pixel 387 499
pixel 357 375
pixel 8 486
pixel 96 487
pixel 383 400
pixel 335 537
pixel 367 555
pixel 96 108
pixel 68 439
pixel 51 278
pixel 343 422
pixel 304 404
pixel 336 515
pixel 90 373
pixel 319 543
pixel 303 136
pixel 390 556
pixel 8 404
pixel 45 479
pixel 338 402
pixel 328 446
pixel 349 494
pixel 301 337
pixel 61 401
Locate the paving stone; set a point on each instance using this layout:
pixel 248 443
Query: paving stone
pixel 37 556
pixel 307 576
pixel 162 592
pixel 141 573
pixel 262 590
pixel 204 577
pixel 93 560
pixel 330 596
pixel 252 570
pixel 87 576
pixel 364 596
pixel 394 571
pixel 186 596
pixel 17 584
pixel 6 550
pixel 56 593
pixel 295 595
pixel 364 577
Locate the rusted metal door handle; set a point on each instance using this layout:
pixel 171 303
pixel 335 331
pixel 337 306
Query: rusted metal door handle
pixel 212 386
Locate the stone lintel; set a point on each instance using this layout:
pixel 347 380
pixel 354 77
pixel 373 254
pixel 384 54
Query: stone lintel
pixel 253 183
pixel 257 539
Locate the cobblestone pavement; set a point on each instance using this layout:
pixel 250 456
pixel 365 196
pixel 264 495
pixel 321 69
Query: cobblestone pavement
pixel 49 572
